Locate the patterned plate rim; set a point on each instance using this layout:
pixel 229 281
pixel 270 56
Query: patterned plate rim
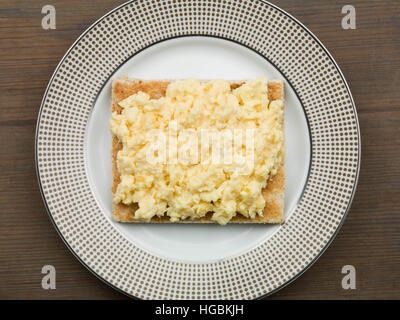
pixel 354 187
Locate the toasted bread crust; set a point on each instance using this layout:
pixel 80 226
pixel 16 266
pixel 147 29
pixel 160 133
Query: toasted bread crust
pixel 273 193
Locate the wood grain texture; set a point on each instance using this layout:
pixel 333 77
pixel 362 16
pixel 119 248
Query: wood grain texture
pixel 370 239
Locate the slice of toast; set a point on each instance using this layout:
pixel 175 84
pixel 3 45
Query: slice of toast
pixel 273 193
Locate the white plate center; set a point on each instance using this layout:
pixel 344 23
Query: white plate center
pixel 201 58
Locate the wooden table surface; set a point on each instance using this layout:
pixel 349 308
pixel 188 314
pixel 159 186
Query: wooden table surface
pixel 370 238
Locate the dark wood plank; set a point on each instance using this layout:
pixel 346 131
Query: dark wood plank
pixel 370 239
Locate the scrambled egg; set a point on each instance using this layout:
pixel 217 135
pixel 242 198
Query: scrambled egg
pixel 190 189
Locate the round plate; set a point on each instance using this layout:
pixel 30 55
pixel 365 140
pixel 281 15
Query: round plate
pixel 204 40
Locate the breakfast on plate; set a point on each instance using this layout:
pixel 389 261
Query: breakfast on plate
pixel 196 151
